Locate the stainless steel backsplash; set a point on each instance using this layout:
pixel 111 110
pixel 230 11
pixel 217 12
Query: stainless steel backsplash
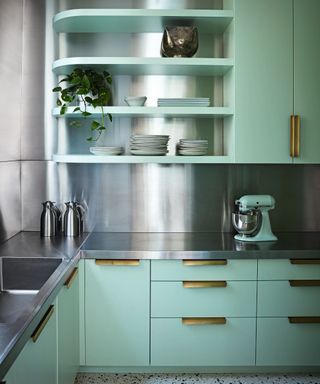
pixel 171 198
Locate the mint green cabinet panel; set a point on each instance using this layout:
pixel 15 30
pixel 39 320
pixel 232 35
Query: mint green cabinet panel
pixel 307 77
pixel 167 270
pixel 37 362
pixel 263 80
pixel 174 343
pixel 278 298
pixel 284 270
pixel 171 299
pixel 68 333
pixel 117 314
pixel 281 343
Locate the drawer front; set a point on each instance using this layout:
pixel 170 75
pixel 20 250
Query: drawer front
pixel 171 270
pixel 279 298
pixel 285 270
pixel 175 343
pixel 282 343
pixel 177 299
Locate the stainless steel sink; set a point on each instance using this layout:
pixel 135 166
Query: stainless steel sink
pixel 20 280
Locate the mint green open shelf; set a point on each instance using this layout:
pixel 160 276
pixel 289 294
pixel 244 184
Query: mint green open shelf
pixel 147 65
pixel 165 112
pixel 140 20
pixel 127 159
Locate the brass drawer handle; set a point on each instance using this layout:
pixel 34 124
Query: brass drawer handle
pixel 42 324
pixel 203 320
pixel 71 278
pixel 305 261
pixel 117 262
pixel 204 284
pixel 304 283
pixel 204 262
pixel 304 320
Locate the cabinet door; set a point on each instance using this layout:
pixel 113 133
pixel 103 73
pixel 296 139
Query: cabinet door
pixel 263 80
pixel 307 77
pixel 117 314
pixel 37 362
pixel 68 330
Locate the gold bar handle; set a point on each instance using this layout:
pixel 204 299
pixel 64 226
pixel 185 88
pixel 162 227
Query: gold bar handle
pixel 304 320
pixel 117 262
pixel 304 283
pixel 71 278
pixel 204 262
pixel 203 320
pixel 204 284
pixel 42 324
pixel 304 261
pixel 294 135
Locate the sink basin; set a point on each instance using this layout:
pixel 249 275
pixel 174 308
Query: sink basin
pixel 20 280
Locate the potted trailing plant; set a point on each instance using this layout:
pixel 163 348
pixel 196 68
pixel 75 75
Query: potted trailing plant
pixel 93 88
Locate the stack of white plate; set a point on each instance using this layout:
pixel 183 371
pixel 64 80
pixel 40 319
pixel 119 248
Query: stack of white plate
pixel 184 102
pixel 149 145
pixel 187 147
pixel 106 151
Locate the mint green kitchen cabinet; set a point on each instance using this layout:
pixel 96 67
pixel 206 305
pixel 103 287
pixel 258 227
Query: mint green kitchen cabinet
pixel 175 342
pixel 37 362
pixel 68 329
pixel 203 312
pixel 276 76
pixel 288 310
pixel 117 312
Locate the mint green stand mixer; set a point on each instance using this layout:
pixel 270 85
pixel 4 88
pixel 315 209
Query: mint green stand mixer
pixel 252 218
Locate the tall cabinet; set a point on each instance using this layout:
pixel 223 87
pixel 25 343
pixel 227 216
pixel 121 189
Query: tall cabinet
pixel 276 71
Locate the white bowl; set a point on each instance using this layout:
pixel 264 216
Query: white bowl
pixel 137 101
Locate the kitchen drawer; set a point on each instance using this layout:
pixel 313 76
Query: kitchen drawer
pixel 177 270
pixel 282 343
pixel 176 298
pixel 279 298
pixel 285 270
pixel 179 344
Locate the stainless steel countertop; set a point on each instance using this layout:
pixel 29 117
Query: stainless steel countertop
pixel 199 245
pixel 130 245
pixel 13 336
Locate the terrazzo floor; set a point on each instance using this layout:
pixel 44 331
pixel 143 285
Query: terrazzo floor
pixel 99 378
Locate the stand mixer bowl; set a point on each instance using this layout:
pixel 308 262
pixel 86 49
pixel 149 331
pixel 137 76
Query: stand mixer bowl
pixel 246 223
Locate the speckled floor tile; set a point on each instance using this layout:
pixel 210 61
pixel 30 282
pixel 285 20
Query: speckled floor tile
pixel 100 378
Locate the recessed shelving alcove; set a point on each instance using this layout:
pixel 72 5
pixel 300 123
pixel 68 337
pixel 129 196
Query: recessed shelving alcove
pixel 126 43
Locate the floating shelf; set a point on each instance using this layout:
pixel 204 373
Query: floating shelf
pixel 147 65
pixel 165 112
pixel 124 159
pixel 140 20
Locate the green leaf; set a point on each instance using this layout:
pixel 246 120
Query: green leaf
pixel 76 109
pixel 58 102
pixel 88 99
pixel 85 113
pixel 95 124
pixel 63 109
pixel 110 117
pixel 57 89
pixel 90 138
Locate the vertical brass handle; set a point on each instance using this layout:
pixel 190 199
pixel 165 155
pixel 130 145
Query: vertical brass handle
pixel 42 324
pixel 304 319
pixel 294 135
pixel 117 262
pixel 204 262
pixel 305 261
pixel 71 278
pixel 204 284
pixel 203 320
